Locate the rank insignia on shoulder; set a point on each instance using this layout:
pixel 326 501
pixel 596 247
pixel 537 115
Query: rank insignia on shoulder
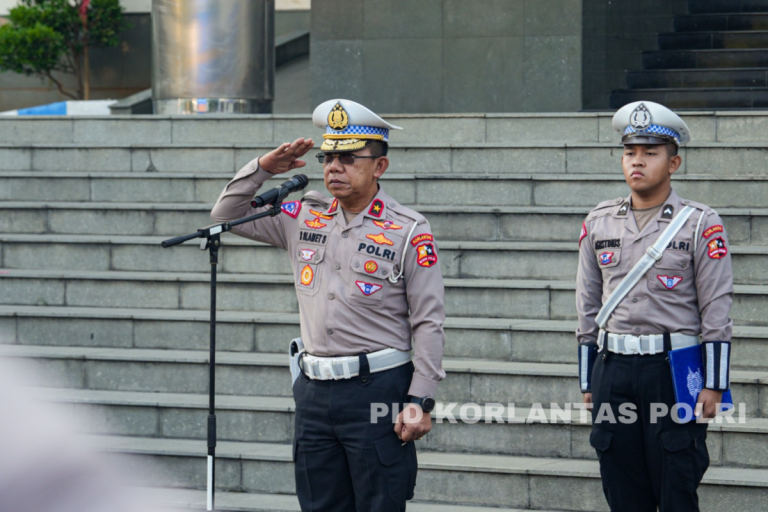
pixel 334 206
pixel 380 239
pixel 426 256
pixel 377 208
pixel 315 223
pixel 670 282
pixel 371 266
pixel 425 237
pixel 320 215
pixel 387 224
pixel 716 248
pixel 712 230
pixel 291 209
pixel 368 288
pixel 606 258
pixel 307 254
pixel 307 275
pixel 583 232
pixel 668 212
pixel 624 209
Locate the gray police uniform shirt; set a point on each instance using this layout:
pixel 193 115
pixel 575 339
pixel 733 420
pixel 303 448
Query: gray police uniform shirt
pixel 347 303
pixel 689 291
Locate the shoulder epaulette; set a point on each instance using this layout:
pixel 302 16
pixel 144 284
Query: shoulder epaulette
pixel 407 212
pixel 605 208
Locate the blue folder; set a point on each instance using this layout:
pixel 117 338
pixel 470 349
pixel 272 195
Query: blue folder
pixel 688 377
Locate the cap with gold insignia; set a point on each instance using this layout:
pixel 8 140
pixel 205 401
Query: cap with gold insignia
pixel 349 126
pixel 648 123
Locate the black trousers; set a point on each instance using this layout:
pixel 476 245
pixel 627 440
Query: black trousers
pixel 644 464
pixel 344 462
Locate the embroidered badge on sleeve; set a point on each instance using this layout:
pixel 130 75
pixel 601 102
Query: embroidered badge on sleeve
pixel 291 209
pixel 426 237
pixel 712 230
pixel 670 282
pixel 380 239
pixel 426 256
pixel 716 248
pixel 583 232
pixel 368 288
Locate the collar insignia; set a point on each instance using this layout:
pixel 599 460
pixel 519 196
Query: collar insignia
pixel 377 208
pixel 334 206
pixel 668 211
pixel 623 210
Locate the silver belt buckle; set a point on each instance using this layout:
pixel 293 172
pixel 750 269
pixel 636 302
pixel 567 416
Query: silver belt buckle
pixel 631 344
pixel 325 368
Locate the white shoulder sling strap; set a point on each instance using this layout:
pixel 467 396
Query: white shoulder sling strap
pixel 652 255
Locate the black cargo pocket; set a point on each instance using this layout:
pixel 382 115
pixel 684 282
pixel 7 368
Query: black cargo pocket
pixel 600 440
pixel 686 458
pixel 391 451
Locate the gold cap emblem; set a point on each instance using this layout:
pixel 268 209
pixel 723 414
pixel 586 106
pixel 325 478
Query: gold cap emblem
pixel 338 118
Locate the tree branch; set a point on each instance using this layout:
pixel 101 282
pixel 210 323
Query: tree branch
pixel 59 86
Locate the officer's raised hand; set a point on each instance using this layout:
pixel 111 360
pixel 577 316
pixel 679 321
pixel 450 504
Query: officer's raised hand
pixel 285 158
pixel 412 423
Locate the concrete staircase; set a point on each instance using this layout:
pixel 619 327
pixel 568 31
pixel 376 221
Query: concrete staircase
pixel 116 327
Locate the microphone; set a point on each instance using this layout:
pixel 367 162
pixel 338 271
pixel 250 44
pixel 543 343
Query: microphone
pixel 294 184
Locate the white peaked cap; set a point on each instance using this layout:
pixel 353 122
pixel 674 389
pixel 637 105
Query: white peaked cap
pixel 349 126
pixel 646 122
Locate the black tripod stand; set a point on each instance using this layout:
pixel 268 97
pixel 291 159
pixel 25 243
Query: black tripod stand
pixel 211 236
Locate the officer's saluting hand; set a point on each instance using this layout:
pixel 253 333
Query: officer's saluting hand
pixel 654 277
pixel 368 280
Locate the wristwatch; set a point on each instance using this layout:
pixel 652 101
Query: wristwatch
pixel 426 403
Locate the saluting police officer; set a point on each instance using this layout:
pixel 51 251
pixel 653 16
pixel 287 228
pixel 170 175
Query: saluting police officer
pixel 368 280
pixel 683 300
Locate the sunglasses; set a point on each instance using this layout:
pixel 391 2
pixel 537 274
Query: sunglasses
pixel 344 159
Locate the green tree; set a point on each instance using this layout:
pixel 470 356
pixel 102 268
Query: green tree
pixel 47 36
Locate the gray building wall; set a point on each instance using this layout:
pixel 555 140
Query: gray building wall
pixel 615 34
pixel 448 55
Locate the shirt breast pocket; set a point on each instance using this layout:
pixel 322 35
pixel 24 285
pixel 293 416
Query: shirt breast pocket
pixel 609 259
pixel 307 263
pixel 672 273
pixel 369 281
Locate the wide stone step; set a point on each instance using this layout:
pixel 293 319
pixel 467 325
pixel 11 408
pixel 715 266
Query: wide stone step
pixel 521 432
pixel 271 130
pixel 713 40
pixel 689 78
pixel 696 97
pixel 450 478
pixel 510 157
pixel 259 502
pixel 470 260
pixel 477 298
pixel 751 58
pixel 238 373
pixel 727 6
pixel 497 339
pixel 26 222
pixel 721 21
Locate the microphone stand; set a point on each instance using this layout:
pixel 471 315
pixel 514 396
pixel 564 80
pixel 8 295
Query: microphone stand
pixel 211 236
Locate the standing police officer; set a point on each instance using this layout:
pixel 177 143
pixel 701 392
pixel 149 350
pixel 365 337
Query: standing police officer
pixel 648 459
pixel 367 279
